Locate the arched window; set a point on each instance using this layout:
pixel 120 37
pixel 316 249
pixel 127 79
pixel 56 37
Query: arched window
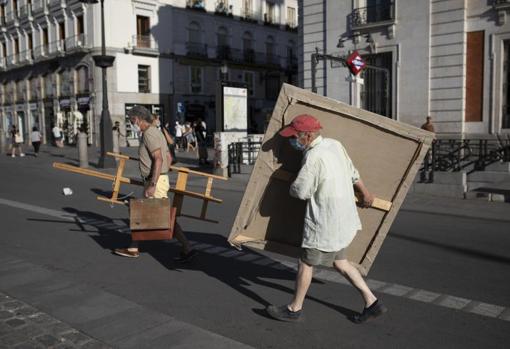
pixel 194 33
pixel 270 49
pixel 82 79
pixel 222 37
pixel 247 41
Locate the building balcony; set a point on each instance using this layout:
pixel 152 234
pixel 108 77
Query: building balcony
pixel 25 11
pixel 77 43
pixel 195 49
pixel 502 8
pixel 198 5
pixel 144 45
pixel 222 8
pixel 270 20
pixel 248 15
pixel 223 53
pixel 291 27
pixel 11 16
pixel 40 6
pixel 373 16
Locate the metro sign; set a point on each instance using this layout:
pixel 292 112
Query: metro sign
pixel 355 63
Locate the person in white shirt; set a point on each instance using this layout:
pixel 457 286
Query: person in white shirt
pixel 35 138
pixel 178 134
pixel 326 180
pixel 57 136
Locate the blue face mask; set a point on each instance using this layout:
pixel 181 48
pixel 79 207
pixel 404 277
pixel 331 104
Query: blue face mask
pixel 296 145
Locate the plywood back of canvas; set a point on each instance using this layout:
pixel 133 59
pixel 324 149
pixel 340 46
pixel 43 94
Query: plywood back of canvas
pixel 386 153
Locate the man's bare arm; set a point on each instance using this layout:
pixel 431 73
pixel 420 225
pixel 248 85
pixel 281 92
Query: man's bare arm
pixel 367 198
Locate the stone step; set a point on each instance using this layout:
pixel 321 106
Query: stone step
pixel 488 176
pixel 499 167
pixel 446 190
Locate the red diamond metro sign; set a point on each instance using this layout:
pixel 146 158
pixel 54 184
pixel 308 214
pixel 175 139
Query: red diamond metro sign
pixel 355 63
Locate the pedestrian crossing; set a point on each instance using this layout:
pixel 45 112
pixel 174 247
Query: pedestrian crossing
pixel 425 296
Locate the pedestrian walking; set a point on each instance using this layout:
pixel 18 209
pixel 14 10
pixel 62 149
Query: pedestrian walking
pixel 327 180
pixel 155 160
pixel 178 135
pixel 16 142
pixel 35 138
pixel 201 136
pixel 428 125
pixel 189 135
pixel 57 136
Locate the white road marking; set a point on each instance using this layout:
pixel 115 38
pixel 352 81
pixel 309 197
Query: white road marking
pixel 443 300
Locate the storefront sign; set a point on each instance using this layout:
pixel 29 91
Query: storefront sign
pixel 83 101
pixel 33 106
pixel 65 103
pixel 20 107
pixel 8 109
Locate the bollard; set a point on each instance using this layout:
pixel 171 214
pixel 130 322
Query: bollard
pixel 82 149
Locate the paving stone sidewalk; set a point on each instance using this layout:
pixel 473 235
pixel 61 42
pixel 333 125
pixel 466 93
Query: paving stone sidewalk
pixel 23 326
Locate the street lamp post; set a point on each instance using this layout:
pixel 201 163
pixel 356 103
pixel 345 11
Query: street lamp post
pixel 105 126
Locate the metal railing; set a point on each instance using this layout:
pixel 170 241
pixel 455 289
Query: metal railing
pixel 39 5
pixel 196 4
pixel 144 42
pixel 196 49
pixel 25 11
pixel 373 14
pixel 249 15
pixel 222 8
pixel 469 155
pixel 240 153
pixel 223 52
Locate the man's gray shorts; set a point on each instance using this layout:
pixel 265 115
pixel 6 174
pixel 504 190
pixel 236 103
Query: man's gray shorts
pixel 314 257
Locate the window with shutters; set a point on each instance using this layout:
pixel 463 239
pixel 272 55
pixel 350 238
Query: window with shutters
pixel 144 79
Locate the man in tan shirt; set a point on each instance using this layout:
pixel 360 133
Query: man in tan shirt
pixel 155 160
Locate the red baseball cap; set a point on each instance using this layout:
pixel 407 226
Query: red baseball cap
pixel 301 123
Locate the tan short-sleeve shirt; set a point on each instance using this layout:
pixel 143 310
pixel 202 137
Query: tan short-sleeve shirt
pixel 152 139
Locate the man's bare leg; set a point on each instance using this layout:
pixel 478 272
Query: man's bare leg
pixel 354 277
pixel 179 235
pixel 303 280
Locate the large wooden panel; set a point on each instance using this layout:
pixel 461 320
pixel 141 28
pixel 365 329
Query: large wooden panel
pixel 386 153
pixel 149 214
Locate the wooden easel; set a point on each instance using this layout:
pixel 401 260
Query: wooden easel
pixel 179 191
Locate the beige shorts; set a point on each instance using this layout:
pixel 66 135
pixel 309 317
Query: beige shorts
pixel 162 187
pixel 314 257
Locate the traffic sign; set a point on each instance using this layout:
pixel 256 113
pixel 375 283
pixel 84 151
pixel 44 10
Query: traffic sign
pixel 355 63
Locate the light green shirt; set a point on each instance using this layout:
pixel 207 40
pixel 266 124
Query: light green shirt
pixel 326 181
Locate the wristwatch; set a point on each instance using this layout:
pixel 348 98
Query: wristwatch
pixel 153 184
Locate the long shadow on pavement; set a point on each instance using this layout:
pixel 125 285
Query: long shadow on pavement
pixel 235 273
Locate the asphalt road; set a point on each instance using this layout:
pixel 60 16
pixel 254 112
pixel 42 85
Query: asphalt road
pixel 221 293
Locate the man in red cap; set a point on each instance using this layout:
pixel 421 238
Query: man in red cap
pixel 326 180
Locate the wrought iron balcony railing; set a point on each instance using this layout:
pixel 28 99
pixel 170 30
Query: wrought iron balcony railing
pixel 144 42
pixel 249 15
pixel 25 11
pixel 373 14
pixel 196 4
pixel 196 49
pixel 223 52
pixel 222 8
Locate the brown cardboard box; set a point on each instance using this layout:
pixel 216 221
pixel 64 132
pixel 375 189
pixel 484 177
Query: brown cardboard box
pixel 386 153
